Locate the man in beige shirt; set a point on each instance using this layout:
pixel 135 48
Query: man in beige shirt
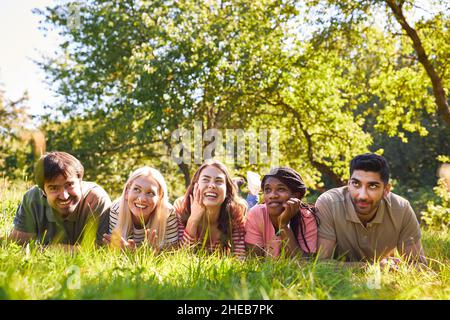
pixel 364 221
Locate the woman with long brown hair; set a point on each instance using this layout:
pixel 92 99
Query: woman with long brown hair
pixel 211 211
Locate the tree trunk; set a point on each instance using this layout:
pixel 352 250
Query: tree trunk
pixel 185 170
pixel 438 89
pixel 326 171
pixel 323 169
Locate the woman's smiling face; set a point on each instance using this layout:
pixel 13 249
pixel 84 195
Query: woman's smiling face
pixel 213 186
pixel 142 198
pixel 276 193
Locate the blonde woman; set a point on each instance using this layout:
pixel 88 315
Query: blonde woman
pixel 143 214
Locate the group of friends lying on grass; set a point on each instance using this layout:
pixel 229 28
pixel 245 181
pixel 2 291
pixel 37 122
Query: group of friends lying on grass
pixel 362 221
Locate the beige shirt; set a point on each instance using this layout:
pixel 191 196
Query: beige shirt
pixel 394 226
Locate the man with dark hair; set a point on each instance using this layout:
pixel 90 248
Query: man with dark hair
pixel 62 207
pixel 364 221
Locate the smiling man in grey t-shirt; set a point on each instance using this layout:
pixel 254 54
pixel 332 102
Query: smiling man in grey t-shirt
pixel 62 208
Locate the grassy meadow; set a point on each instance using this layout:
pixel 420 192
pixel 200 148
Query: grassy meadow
pixel 32 272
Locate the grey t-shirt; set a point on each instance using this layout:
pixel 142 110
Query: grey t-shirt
pixel 34 215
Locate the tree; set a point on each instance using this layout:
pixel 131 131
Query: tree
pixel 106 160
pixel 438 89
pixel 417 62
pixel 17 141
pixel 153 67
pixel 137 71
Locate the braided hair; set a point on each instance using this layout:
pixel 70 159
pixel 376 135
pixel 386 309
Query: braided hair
pixel 294 182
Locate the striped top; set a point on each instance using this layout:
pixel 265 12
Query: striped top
pixel 138 235
pixel 236 245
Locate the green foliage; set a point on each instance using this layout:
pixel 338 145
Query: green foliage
pixel 437 214
pixel 106 158
pixel 417 196
pixel 133 73
pixel 392 74
pixel 338 82
pixel 16 147
pixel 32 272
pixel 413 164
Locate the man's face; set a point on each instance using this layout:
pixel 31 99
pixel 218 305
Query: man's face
pixel 366 191
pixel 63 194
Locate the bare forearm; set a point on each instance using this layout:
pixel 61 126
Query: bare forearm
pixel 20 237
pixel 288 241
pixel 65 247
pixel 254 250
pixel 192 227
pixel 344 264
pixel 413 253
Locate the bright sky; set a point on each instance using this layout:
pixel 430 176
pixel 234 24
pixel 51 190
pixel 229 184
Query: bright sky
pixel 21 42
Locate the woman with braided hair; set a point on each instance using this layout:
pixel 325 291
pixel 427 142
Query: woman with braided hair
pixel 283 223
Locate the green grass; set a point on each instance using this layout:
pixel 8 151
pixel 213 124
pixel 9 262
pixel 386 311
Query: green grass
pixel 34 273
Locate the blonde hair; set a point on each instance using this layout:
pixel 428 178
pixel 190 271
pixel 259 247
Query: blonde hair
pixel 158 219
